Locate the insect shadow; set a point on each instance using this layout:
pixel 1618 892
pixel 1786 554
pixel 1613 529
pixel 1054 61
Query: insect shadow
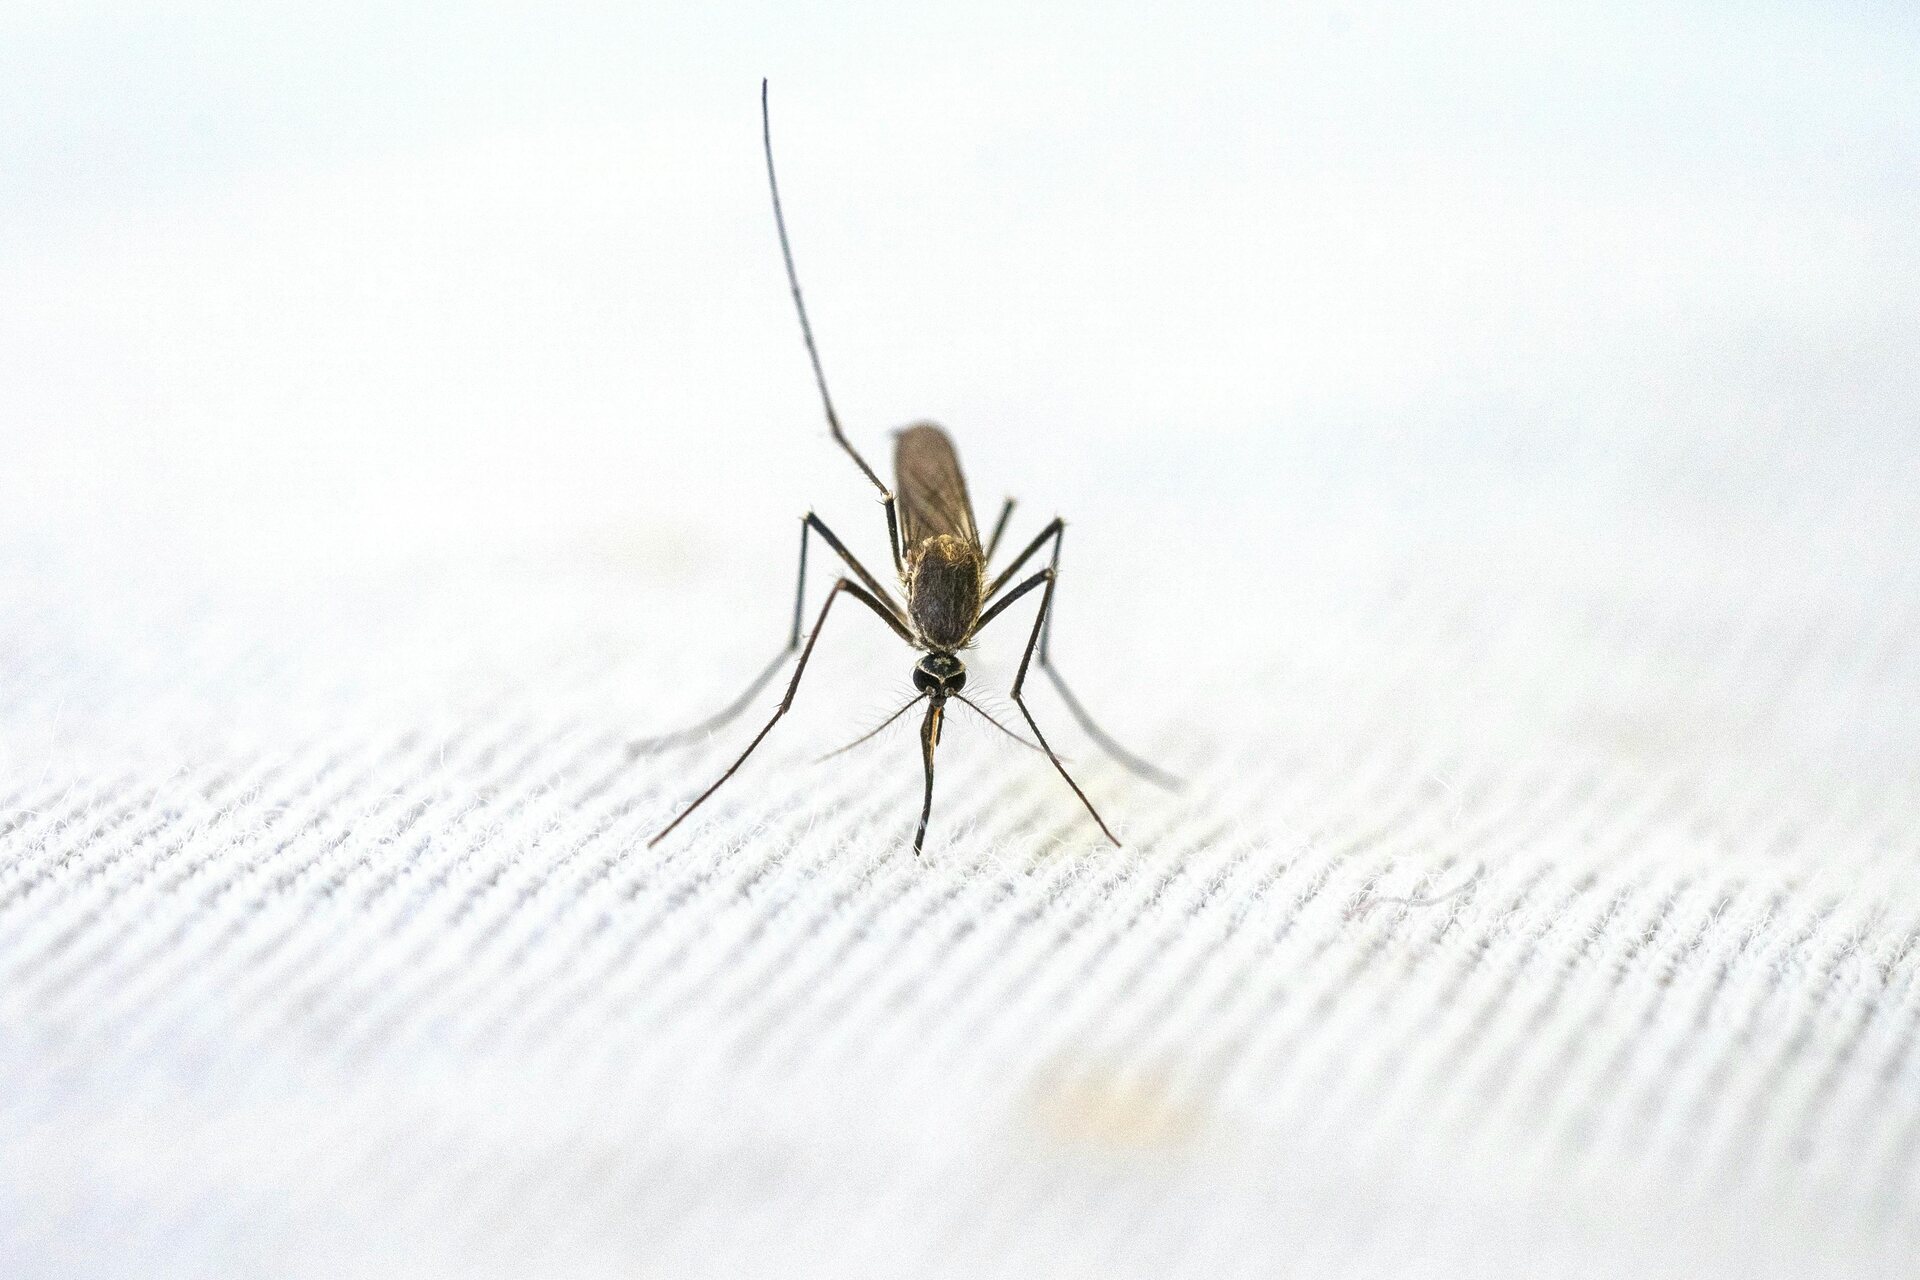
pixel 943 568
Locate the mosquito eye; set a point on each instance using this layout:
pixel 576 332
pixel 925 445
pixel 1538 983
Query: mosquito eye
pixel 923 680
pixel 957 680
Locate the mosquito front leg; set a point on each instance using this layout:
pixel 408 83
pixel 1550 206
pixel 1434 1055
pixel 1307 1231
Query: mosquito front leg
pixel 809 524
pixel 793 686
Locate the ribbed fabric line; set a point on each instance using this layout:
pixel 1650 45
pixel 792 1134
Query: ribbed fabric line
pixel 755 977
pixel 1602 975
pixel 1851 1001
pixel 1826 1112
pixel 603 998
pixel 1724 1125
pixel 85 914
pixel 449 996
pixel 1885 1072
pixel 1745 1133
pixel 866 962
pixel 503 820
pixel 310 849
pixel 535 1009
pixel 101 816
pixel 36 857
pixel 122 950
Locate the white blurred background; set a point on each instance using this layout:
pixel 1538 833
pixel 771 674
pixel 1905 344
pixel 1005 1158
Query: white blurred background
pixel 336 283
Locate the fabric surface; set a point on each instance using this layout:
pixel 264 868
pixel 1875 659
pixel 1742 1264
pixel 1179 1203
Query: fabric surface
pixel 1507 529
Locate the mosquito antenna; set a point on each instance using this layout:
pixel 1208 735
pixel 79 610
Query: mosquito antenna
pixel 800 306
pixel 983 714
pixel 873 732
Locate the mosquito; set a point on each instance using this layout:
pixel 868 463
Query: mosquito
pixel 943 568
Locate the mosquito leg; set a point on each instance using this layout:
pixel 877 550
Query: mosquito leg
pixel 1152 773
pixel 1019 681
pixel 1056 530
pixel 871 583
pixel 857 592
pixel 809 524
pixel 999 527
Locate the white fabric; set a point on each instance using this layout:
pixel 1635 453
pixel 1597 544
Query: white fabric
pixel 1536 625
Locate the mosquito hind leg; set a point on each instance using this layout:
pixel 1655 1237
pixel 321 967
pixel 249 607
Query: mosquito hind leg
pixel 1045 576
pixel 809 525
pixel 1056 533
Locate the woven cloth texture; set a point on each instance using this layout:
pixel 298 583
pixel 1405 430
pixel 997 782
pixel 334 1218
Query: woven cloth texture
pixel 1509 533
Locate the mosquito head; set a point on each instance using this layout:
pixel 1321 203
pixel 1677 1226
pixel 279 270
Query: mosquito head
pixel 940 674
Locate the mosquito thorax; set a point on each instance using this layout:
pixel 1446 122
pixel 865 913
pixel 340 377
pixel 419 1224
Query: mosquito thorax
pixel 945 577
pixel 940 673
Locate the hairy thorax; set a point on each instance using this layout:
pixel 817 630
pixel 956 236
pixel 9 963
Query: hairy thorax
pixel 944 585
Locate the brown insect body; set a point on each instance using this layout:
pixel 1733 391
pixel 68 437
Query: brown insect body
pixel 944 566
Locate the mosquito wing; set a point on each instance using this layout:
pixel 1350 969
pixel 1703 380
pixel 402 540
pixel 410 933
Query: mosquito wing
pixel 928 487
